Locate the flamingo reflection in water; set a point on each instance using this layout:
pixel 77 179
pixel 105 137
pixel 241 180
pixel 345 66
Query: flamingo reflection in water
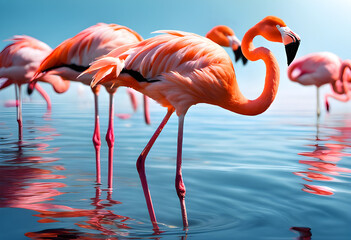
pixel 21 176
pixel 23 186
pixel 305 233
pixel 328 154
pixel 99 218
pixel 18 192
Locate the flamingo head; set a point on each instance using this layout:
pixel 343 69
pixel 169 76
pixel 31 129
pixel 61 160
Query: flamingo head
pixel 225 36
pixel 33 81
pixel 274 29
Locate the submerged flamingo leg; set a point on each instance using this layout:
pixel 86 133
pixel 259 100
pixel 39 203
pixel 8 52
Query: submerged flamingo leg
pixel 96 138
pixel 44 94
pixel 19 110
pixel 179 184
pixel 146 110
pixel 141 168
pixel 318 105
pixel 110 139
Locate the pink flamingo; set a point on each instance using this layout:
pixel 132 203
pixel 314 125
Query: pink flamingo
pixel 341 88
pixel 180 69
pixel 73 56
pixel 316 69
pixel 18 63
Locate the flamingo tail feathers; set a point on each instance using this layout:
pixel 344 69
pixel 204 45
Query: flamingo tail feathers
pixel 107 69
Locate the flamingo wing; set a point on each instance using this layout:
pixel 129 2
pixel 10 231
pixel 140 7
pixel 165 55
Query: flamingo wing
pixel 176 69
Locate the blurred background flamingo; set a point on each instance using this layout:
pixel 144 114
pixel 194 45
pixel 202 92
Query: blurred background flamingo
pixel 18 63
pixel 180 69
pixel 317 69
pixel 74 55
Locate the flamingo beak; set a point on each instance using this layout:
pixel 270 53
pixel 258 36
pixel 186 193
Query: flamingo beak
pixel 236 46
pixel 31 87
pixel 291 41
pixel 291 50
pixel 239 54
pixel 33 81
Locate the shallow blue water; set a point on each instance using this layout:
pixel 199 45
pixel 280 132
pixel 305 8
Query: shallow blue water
pixel 275 176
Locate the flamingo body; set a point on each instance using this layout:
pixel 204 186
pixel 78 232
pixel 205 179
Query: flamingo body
pixel 178 70
pixel 315 69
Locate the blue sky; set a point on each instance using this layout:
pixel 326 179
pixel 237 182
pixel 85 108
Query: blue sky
pixel 322 25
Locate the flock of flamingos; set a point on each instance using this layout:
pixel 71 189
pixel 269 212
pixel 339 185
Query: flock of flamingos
pixel 176 69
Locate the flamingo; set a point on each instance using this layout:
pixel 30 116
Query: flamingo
pixel 341 89
pixel 73 56
pixel 18 63
pixel 316 69
pixel 179 69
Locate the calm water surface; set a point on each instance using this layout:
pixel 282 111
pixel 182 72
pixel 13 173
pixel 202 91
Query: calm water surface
pixel 280 175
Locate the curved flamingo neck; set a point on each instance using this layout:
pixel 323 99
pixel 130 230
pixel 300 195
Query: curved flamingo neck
pixel 345 64
pixel 345 94
pixel 44 94
pixel 239 103
pixel 59 85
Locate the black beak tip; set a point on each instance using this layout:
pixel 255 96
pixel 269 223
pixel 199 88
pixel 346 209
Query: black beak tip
pixel 239 55
pixel 327 106
pixel 244 59
pixel 30 87
pixel 291 50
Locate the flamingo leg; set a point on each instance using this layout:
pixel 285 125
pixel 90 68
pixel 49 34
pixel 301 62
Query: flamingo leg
pixel 110 139
pixel 19 110
pixel 146 110
pixel 141 168
pixel 179 184
pixel 133 99
pixel 97 139
pixel 44 94
pixel 318 105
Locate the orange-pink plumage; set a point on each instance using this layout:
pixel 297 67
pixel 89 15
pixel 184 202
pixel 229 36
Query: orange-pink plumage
pixel 180 69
